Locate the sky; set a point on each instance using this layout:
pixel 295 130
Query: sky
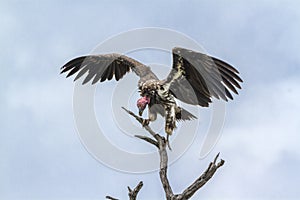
pixel 42 156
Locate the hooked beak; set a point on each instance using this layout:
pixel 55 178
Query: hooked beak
pixel 141 111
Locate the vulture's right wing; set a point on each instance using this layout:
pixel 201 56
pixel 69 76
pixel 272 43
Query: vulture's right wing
pixel 105 67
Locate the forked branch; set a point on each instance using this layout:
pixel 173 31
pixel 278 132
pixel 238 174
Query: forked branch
pixel 161 143
pixel 131 193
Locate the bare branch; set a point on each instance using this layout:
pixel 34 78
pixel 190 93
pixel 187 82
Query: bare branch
pixel 133 193
pixel 139 119
pixel 147 139
pixel 111 198
pixel 161 143
pixel 203 179
pixel 164 168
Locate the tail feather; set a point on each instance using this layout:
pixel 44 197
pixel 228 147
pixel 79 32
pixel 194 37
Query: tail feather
pixel 182 114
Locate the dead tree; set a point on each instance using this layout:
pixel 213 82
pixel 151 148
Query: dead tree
pixel 161 143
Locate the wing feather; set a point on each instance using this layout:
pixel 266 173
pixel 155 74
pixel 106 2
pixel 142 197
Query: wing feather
pixel 105 67
pixel 73 71
pixel 202 77
pixel 69 65
pixel 81 72
pixel 117 73
pixel 230 78
pixel 230 86
pixel 88 78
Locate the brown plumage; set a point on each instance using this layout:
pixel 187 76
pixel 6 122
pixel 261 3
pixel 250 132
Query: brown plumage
pixel 194 79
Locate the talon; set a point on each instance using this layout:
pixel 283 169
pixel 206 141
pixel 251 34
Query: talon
pixel 146 122
pixel 168 143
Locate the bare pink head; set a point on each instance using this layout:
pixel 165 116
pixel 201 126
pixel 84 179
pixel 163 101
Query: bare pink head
pixel 142 103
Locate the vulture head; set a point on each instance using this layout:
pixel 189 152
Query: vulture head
pixel 142 103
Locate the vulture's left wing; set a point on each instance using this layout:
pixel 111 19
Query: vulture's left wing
pixel 105 67
pixel 195 78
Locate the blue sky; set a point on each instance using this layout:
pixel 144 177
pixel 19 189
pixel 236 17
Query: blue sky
pixel 41 154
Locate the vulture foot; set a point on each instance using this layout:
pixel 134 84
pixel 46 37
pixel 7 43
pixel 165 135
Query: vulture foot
pixel 145 122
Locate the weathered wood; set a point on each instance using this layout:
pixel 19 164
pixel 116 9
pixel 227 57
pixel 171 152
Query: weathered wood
pixel 161 143
pixel 133 193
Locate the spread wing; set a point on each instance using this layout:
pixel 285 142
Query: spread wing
pixel 195 78
pixel 105 67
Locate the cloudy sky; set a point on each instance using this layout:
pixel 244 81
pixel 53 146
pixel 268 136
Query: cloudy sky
pixel 42 156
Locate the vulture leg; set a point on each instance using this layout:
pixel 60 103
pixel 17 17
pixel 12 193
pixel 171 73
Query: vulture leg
pixel 170 118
